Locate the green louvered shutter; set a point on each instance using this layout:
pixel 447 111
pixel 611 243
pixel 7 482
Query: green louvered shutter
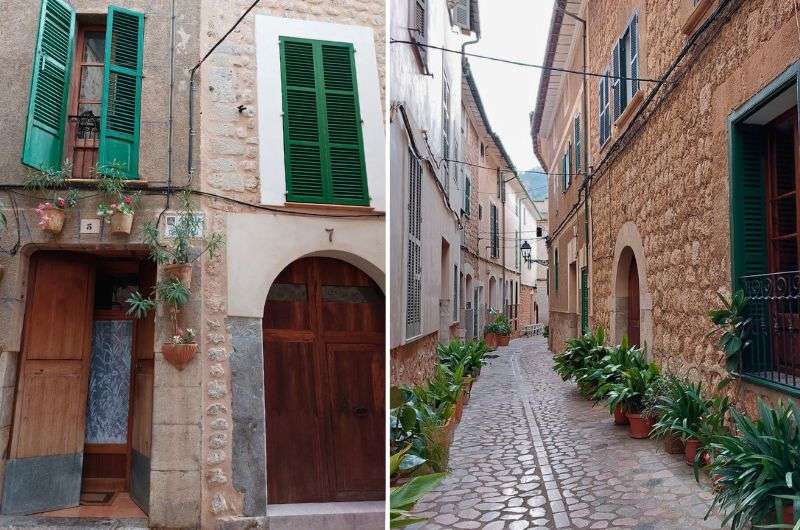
pixel 348 177
pixel 122 89
pixel 301 122
pixel 748 202
pixel 584 300
pixel 323 144
pixel 52 68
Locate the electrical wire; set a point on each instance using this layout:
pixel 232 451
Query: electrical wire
pixel 520 63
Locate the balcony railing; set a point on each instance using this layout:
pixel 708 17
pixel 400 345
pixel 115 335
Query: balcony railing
pixel 84 134
pixel 773 355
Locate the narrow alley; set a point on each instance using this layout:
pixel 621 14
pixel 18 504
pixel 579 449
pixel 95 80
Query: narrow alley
pixel 530 452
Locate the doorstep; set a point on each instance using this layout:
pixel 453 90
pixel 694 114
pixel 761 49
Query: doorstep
pixel 367 515
pixel 43 521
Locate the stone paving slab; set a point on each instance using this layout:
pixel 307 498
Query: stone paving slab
pixel 530 452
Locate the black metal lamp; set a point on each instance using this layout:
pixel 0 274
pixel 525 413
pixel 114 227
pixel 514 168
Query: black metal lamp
pixel 526 251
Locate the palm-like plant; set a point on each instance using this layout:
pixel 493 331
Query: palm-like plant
pixel 403 498
pixel 731 327
pixel 608 371
pixel 468 354
pixel 681 409
pixel 758 469
pixel 581 353
pixel 630 393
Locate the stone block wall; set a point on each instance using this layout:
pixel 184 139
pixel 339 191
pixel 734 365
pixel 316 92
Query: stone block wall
pixel 413 362
pixel 671 177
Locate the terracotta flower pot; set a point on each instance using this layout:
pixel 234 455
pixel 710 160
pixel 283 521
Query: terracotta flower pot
pixel 619 416
pixel 491 341
pixel 179 355
pixel 503 340
pixel 53 220
pixel 121 223
pixel 673 445
pixel 640 426
pixel 181 272
pixel 692 445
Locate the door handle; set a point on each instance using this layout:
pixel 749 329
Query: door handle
pixel 360 411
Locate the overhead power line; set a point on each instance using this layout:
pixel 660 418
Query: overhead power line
pixel 521 63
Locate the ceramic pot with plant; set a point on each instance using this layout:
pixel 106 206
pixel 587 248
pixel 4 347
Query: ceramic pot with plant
pixel 52 213
pixel 681 409
pixel 119 214
pixel 176 253
pixel 757 468
pixel 630 394
pixel 501 330
pixel 182 349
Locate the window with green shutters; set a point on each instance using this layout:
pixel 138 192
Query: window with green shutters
pixel 323 142
pixel 467 193
pixel 52 66
pixel 555 271
pixel 50 86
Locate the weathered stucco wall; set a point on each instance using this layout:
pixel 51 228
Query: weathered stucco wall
pixel 670 180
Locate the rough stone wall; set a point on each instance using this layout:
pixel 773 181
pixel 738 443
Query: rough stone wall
pixel 228 165
pixel 527 296
pixel 671 178
pixel 413 362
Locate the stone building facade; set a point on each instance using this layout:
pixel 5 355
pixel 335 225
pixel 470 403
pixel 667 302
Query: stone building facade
pixel 682 175
pixel 557 128
pixel 211 445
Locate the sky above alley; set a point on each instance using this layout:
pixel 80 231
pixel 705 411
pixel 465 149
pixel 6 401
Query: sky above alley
pixel 516 30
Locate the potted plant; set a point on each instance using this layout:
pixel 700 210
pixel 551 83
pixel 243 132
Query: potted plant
pixel 172 295
pixel 758 469
pixel 52 213
pixel 119 215
pixel 630 393
pixel 731 326
pixel 599 378
pixel 176 253
pixel 502 328
pixel 681 411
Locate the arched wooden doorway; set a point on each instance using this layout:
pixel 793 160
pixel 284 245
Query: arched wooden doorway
pixel 634 335
pixel 323 333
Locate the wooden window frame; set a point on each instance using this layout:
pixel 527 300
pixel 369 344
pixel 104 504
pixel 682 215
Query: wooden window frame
pixel 772 197
pixel 70 140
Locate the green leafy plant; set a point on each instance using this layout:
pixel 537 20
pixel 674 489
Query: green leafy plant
pixel 178 247
pixel 731 327
pixel 403 498
pixel 758 468
pixel 680 409
pixel 500 326
pixel 597 378
pixel 170 293
pixel 580 354
pixel 469 354
pixel 630 393
pixel 48 178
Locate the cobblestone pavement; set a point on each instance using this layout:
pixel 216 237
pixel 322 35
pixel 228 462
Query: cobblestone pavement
pixel 530 452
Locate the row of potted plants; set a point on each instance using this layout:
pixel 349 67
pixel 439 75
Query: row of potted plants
pixel 498 332
pixel 422 422
pixel 117 208
pixel 754 464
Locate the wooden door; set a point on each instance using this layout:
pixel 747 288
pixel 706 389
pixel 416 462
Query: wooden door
pixel 324 373
pixel 633 304
pixel 46 456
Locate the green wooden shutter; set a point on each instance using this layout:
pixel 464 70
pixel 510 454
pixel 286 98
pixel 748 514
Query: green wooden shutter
pixel 348 176
pixel 52 69
pixel 122 89
pixel 467 193
pixel 323 143
pixel 633 32
pixel 584 300
pixel 748 202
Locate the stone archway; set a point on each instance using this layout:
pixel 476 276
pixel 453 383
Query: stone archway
pixel 630 292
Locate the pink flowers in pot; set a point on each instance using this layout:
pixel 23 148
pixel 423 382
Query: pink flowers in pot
pixel 46 210
pixel 126 205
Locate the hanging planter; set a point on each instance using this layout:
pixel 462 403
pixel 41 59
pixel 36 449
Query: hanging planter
pixel 181 350
pixel 52 214
pixel 119 214
pixel 181 272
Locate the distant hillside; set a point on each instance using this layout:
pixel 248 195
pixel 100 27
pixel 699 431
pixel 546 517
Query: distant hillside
pixel 535 182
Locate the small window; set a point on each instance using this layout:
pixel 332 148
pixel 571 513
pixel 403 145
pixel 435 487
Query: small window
pixel 538 231
pixel 414 258
pixel 577 141
pixel 625 64
pixel 418 29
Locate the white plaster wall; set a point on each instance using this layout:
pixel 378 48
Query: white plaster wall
pixel 260 246
pixel 270 118
pixel 421 96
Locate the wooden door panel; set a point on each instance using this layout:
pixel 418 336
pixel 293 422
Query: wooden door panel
pixel 295 452
pixel 357 420
pixel 633 305
pixel 46 456
pixel 56 328
pixel 51 420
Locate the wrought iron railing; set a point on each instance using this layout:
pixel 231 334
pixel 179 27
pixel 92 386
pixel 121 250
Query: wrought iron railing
pixel 774 331
pixel 85 139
